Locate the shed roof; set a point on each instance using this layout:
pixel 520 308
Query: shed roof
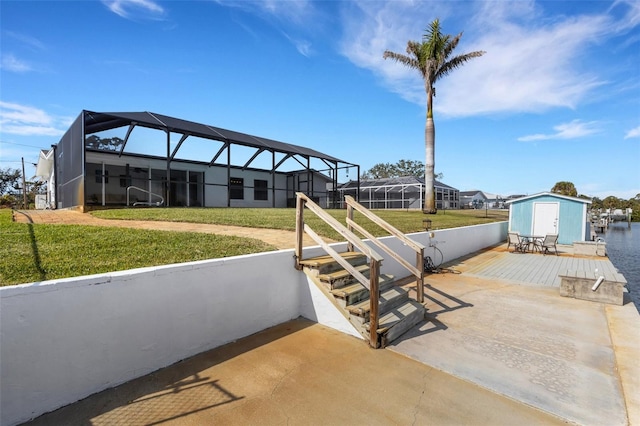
pixel 550 194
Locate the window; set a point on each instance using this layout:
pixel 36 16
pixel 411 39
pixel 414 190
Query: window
pixel 260 190
pixel 236 188
pixel 99 176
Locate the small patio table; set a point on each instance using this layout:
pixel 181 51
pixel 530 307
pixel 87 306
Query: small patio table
pixel 535 240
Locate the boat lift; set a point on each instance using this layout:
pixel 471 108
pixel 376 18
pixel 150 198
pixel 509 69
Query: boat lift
pixel 601 222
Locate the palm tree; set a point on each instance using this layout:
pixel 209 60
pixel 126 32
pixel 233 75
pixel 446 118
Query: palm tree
pixel 431 58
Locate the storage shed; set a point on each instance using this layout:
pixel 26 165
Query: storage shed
pixel 549 213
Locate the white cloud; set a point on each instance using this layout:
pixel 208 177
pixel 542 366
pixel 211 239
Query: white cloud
pixel 289 17
pixel 531 65
pixel 302 46
pixel 296 12
pixel 11 63
pixel 370 28
pixel 633 133
pixel 572 130
pixel 25 130
pixel 32 42
pixel 28 121
pixel 141 8
pixel 631 18
pixel 524 70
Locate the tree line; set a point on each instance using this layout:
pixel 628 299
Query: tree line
pixel 610 202
pixel 11 189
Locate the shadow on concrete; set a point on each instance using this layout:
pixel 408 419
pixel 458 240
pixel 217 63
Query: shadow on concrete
pixel 431 324
pixel 446 307
pixel 170 393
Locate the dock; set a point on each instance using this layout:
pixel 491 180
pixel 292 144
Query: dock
pixel 600 220
pixel 499 346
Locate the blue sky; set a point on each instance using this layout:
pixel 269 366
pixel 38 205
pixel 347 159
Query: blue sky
pixel 555 98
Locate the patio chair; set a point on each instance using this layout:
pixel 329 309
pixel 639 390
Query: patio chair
pixel 549 242
pixel 518 243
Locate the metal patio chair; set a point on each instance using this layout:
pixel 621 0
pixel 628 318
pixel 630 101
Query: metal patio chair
pixel 549 242
pixel 517 242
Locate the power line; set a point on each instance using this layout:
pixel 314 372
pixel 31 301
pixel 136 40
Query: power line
pixel 21 144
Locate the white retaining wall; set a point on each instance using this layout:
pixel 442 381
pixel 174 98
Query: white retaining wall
pixel 63 340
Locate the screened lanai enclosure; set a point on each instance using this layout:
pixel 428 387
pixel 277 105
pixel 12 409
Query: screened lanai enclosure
pixel 148 159
pixel 406 192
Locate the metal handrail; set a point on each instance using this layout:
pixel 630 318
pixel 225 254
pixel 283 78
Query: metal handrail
pixel 149 203
pixel 371 284
pixel 418 270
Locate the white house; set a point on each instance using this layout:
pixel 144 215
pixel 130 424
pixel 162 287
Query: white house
pixel 406 192
pixel 475 199
pixel 144 158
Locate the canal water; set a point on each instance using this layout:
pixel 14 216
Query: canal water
pixel 623 249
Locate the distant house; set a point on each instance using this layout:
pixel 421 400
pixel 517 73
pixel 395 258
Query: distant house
pixel 144 158
pixel 477 199
pixel 405 192
pixel 549 213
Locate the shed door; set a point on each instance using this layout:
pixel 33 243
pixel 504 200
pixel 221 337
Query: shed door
pixel 545 218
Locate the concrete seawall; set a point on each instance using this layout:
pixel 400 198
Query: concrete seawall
pixel 95 332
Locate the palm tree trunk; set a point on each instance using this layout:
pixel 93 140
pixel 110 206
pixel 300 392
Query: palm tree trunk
pixel 429 166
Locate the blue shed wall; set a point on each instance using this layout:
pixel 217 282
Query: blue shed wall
pixel 571 218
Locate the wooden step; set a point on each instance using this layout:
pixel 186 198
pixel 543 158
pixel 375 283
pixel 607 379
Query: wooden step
pixel 389 299
pixel 399 320
pixel 354 293
pixel 342 277
pixel 326 264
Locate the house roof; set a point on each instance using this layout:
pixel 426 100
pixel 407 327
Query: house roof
pixel 550 194
pixel 100 121
pixel 395 181
pixel 474 192
pixel 45 164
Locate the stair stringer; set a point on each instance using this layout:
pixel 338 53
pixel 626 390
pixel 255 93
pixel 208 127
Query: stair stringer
pixel 326 309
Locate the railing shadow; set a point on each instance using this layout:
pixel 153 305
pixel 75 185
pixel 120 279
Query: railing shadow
pixel 169 394
pixel 459 303
pixel 431 323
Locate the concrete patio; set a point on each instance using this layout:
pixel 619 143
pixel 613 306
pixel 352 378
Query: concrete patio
pixel 492 351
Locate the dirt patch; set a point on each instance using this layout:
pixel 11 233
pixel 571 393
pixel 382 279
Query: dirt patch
pixel 276 237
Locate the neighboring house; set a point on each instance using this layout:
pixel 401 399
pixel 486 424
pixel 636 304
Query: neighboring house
pixel 477 199
pixel 44 170
pixel 397 193
pixel 143 158
pixel 549 213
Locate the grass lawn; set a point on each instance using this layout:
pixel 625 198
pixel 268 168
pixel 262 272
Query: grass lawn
pixel 41 252
pixel 38 252
pixel 406 221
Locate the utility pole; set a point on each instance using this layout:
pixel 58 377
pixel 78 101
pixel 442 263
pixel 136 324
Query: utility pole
pixel 24 189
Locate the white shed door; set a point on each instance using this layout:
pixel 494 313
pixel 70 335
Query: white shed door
pixel 545 218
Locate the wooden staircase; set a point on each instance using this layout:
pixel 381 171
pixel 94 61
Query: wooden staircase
pixel 352 280
pixel 397 313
